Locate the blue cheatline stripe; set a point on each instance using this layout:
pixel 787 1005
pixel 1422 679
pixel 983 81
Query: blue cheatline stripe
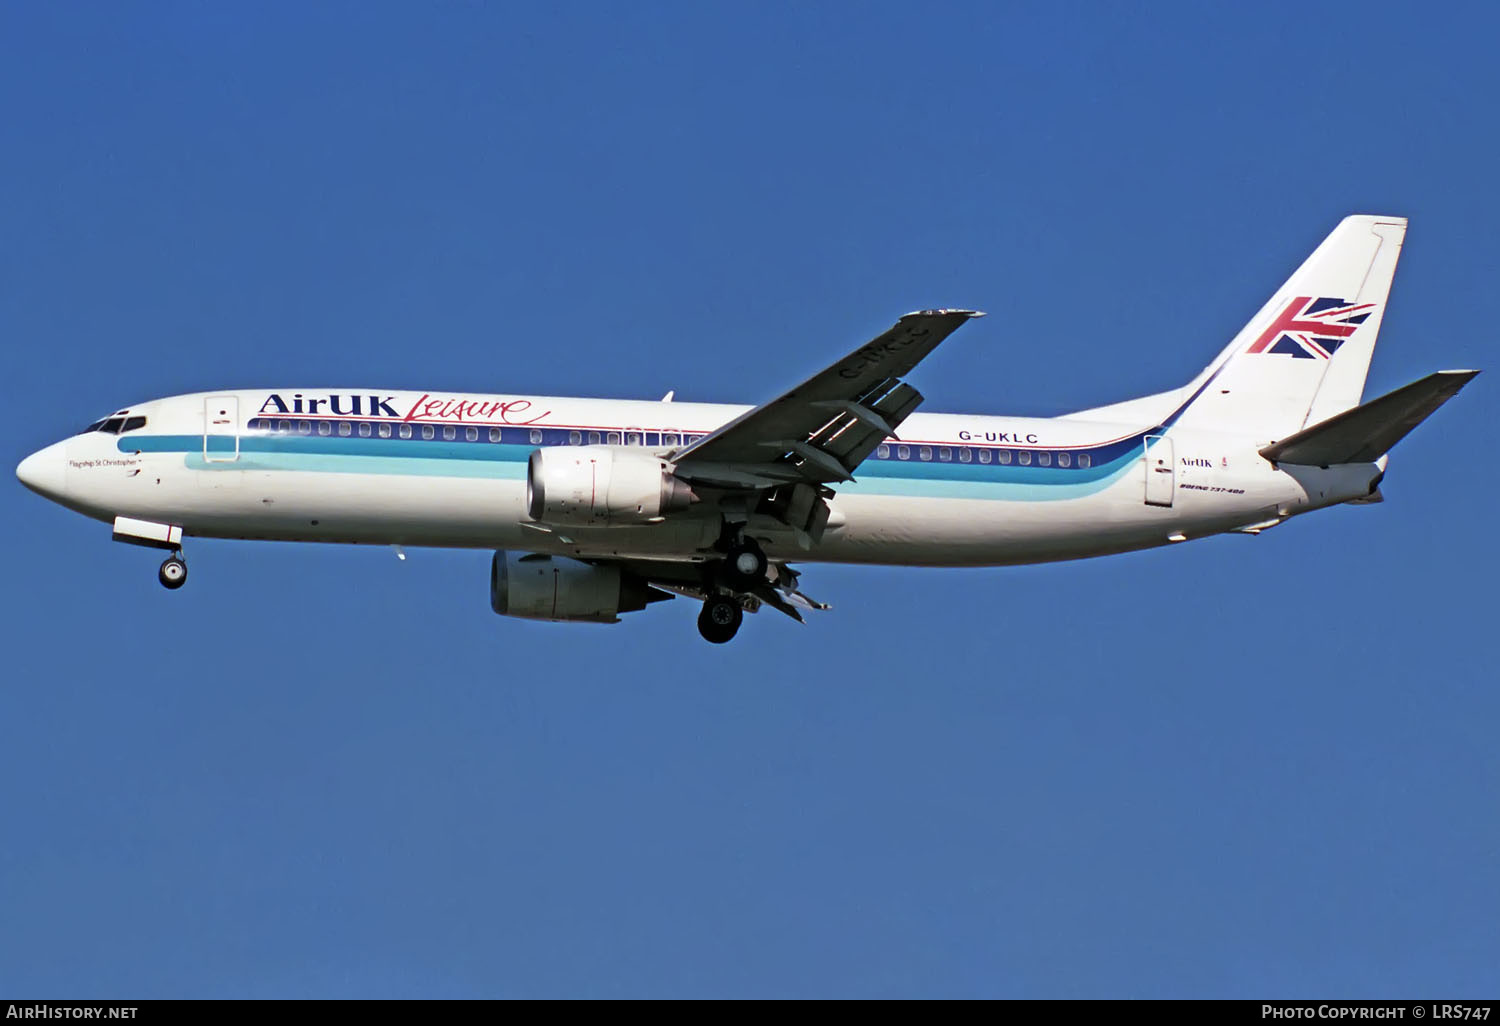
pixel 1013 472
pixel 506 460
pixel 398 448
pixel 299 434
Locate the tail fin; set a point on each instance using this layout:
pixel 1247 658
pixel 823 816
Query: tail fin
pixel 1304 356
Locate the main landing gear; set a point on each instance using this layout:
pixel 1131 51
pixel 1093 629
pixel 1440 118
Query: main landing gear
pixel 173 572
pixel 745 564
pixel 742 569
pixel 720 619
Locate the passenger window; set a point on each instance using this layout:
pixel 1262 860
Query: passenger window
pixel 593 438
pixel 428 433
pixel 471 434
pixel 324 428
pixel 945 454
pixel 1064 459
pixel 364 431
pixel 669 438
pixel 449 433
pixel 903 452
pixel 304 427
pixel 1005 456
pixel 384 431
pixel 1044 459
pixel 284 425
pixel 925 452
pixel 575 437
pixel 1084 459
pixel 1025 459
pixel 984 455
pixel 884 452
pixel 536 437
pixel 494 434
pixel 405 431
pixel 345 429
pixel 633 438
pixel 614 438
pixel 964 456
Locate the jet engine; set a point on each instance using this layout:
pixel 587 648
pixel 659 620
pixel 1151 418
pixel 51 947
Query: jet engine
pixel 534 586
pixel 597 485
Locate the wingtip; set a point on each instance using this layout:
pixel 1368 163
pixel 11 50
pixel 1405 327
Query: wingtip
pixel 944 312
pixel 1400 219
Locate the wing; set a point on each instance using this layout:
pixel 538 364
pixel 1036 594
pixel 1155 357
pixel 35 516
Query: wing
pixel 825 427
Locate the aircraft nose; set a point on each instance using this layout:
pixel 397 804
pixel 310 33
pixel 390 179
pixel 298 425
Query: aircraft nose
pixel 43 470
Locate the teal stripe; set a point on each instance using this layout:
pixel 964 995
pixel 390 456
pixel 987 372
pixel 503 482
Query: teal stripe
pixel 333 464
pixel 1032 490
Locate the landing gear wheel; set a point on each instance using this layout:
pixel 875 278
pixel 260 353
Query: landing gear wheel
pixel 720 619
pixel 173 573
pixel 745 564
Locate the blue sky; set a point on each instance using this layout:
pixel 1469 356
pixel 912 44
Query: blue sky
pixel 1243 767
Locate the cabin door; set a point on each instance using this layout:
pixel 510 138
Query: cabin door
pixel 1161 474
pixel 221 429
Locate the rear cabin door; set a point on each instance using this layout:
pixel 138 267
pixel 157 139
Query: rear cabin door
pixel 1161 474
pixel 221 429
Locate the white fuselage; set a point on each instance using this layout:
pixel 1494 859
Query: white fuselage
pixel 420 469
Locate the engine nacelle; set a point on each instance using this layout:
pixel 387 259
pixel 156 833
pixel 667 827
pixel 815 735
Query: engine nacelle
pixel 540 587
pixel 595 485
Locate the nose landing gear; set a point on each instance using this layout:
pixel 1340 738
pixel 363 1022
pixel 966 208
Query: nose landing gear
pixel 173 572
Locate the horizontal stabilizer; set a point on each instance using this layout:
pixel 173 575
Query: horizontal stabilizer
pixel 1369 431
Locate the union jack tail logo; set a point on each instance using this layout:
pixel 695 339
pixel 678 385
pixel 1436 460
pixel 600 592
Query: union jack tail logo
pixel 1311 329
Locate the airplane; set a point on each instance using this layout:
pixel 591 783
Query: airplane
pixel 598 507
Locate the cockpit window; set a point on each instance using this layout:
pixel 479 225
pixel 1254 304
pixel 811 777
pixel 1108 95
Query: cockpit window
pixel 117 424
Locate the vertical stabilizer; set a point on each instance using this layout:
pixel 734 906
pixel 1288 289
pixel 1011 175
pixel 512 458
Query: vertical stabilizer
pixel 1304 356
